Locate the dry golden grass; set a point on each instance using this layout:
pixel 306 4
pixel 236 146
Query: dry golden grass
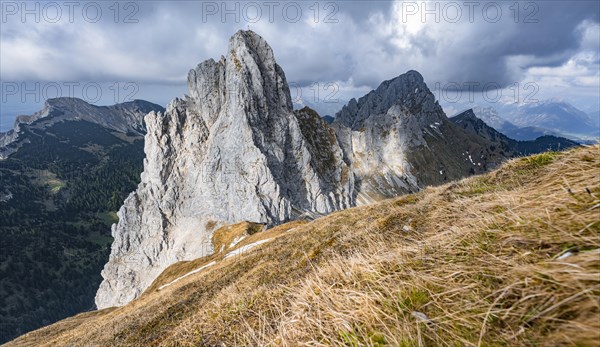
pixel 244 233
pixel 511 258
pixel 224 236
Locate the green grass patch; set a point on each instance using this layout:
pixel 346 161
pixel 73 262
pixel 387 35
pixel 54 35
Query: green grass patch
pixel 413 299
pixel 108 218
pixel 541 160
pixel 479 187
pixel 100 240
pixel 55 186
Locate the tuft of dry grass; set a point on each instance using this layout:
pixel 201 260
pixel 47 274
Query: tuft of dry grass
pixel 511 258
pixel 223 237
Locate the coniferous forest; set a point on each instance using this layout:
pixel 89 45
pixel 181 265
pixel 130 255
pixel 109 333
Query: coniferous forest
pixel 59 195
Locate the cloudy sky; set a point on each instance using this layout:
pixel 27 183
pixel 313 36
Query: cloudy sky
pixel 490 51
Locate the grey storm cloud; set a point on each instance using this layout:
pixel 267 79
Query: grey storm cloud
pixel 358 42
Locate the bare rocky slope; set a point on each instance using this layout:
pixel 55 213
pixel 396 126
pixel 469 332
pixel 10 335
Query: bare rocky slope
pixel 398 139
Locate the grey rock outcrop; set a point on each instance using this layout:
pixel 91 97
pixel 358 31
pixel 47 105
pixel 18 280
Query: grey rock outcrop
pixel 8 139
pixel 233 150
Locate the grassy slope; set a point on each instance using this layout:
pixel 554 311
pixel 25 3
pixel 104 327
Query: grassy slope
pixel 476 262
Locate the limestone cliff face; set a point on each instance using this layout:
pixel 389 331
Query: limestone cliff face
pixel 233 150
pixel 398 139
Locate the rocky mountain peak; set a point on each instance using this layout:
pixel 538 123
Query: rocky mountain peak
pixel 233 150
pixel 398 139
pixel 252 67
pixel 468 114
pixel 408 91
pixel 247 82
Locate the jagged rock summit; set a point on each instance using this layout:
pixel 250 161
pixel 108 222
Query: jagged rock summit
pixel 398 139
pixel 233 150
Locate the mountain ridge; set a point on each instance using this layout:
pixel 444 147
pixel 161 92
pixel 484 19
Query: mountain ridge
pixel 125 117
pixel 470 122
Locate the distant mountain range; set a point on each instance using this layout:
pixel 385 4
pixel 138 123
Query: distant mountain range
pixel 470 122
pixel 595 116
pixel 558 116
pixel 490 116
pixel 551 117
